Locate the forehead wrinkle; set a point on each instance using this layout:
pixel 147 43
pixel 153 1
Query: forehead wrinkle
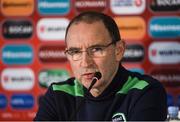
pixel 95 36
pixel 90 46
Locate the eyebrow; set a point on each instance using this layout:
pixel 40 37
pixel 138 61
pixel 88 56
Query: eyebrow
pixel 76 48
pixel 97 45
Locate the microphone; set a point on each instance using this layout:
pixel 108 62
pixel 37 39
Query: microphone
pixel 96 77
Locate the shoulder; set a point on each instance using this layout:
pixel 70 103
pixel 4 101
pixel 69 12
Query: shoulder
pixel 150 81
pixel 70 87
pixel 148 98
pixel 138 83
pixel 69 82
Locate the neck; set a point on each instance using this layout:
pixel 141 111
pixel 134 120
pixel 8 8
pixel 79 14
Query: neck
pixel 95 92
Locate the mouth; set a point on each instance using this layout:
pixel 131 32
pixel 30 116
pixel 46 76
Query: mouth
pixel 88 76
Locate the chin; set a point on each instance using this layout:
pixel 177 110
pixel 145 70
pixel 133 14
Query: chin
pixel 86 84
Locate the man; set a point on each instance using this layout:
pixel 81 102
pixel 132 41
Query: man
pixel 94 45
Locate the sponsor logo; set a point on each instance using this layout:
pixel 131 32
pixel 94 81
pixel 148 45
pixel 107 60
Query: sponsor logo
pixel 84 5
pixel 17 7
pixel 52 54
pixel 17 54
pixel 52 29
pixel 164 27
pixel 123 7
pixel 167 76
pixel 19 29
pixel 53 7
pixel 164 52
pixel 138 70
pixel 133 53
pixel 17 79
pixel 46 77
pixel 165 5
pixel 22 101
pixel 3 101
pixel 131 27
pixel 119 117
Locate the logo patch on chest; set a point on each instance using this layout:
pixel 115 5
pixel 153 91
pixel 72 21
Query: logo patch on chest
pixel 118 117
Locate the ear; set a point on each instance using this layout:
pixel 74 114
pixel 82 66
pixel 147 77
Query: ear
pixel 120 49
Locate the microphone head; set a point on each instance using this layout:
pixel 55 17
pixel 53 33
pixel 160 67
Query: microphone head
pixel 97 75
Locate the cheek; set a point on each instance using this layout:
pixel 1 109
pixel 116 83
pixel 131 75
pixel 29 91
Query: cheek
pixel 107 66
pixel 75 67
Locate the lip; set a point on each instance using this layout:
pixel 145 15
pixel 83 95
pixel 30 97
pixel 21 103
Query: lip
pixel 88 75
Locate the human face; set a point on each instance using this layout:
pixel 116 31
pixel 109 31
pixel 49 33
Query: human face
pixel 82 36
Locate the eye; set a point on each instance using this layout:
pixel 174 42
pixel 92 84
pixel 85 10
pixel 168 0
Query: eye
pixel 73 52
pixel 96 49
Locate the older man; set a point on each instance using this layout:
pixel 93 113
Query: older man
pixel 94 45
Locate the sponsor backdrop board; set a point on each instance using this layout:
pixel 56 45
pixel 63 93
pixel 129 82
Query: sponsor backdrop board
pixel 32 44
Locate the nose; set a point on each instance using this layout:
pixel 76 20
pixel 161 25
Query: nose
pixel 86 60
